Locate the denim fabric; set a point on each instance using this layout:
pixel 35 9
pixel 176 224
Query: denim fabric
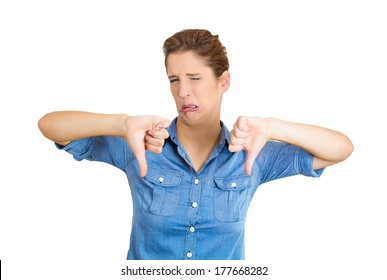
pixel 181 214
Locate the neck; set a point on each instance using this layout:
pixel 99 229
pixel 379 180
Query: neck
pixel 206 134
pixel 198 141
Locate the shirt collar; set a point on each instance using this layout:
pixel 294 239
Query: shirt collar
pixel 224 138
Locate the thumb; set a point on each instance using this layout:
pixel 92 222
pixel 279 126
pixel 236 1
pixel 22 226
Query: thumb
pixel 251 156
pixel 141 160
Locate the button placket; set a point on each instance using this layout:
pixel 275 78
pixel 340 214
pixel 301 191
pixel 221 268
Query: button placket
pixel 195 194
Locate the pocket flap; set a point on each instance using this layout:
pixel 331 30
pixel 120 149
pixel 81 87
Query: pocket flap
pixel 233 183
pixel 162 177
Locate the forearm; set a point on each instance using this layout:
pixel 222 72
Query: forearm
pixel 325 144
pixel 64 126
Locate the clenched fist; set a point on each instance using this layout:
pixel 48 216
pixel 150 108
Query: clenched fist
pixel 249 134
pixel 146 133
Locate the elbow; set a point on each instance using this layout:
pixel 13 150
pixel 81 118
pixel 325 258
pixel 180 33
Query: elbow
pixel 346 149
pixel 42 124
pixel 45 125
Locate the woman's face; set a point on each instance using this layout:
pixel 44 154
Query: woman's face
pixel 197 91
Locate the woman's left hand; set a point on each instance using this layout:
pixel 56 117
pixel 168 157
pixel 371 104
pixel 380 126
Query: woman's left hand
pixel 249 134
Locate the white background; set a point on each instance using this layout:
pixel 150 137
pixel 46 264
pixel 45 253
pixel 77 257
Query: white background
pixel 320 62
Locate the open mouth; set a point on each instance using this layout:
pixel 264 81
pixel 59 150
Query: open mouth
pixel 189 108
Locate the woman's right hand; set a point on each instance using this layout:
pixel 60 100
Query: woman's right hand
pixel 145 133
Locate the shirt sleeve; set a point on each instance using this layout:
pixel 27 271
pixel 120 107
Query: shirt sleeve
pixel 109 149
pixel 278 160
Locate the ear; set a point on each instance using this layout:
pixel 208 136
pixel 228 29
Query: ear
pixel 224 81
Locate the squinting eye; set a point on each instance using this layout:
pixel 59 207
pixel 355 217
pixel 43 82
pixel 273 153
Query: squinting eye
pixel 195 78
pixel 173 81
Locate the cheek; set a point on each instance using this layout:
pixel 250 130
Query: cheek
pixel 174 90
pixel 175 94
pixel 210 90
pixel 203 89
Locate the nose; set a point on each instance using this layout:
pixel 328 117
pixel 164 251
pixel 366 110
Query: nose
pixel 184 89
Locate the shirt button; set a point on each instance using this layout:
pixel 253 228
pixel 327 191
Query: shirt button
pixel 161 179
pixel 233 184
pixel 189 255
pixel 194 204
pixel 192 229
pixel 196 181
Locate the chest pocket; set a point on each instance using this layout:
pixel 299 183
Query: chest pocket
pixel 231 198
pixel 161 192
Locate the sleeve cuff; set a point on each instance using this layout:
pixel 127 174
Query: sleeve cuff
pixel 80 149
pixel 304 164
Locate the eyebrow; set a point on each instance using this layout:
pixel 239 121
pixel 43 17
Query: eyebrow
pixel 188 75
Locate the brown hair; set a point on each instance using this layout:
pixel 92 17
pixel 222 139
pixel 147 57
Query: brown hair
pixel 203 43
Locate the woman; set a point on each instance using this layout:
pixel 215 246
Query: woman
pixel 191 179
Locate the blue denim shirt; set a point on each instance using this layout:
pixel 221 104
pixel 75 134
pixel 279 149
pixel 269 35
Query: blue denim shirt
pixel 181 214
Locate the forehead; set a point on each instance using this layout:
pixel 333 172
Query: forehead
pixel 186 62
